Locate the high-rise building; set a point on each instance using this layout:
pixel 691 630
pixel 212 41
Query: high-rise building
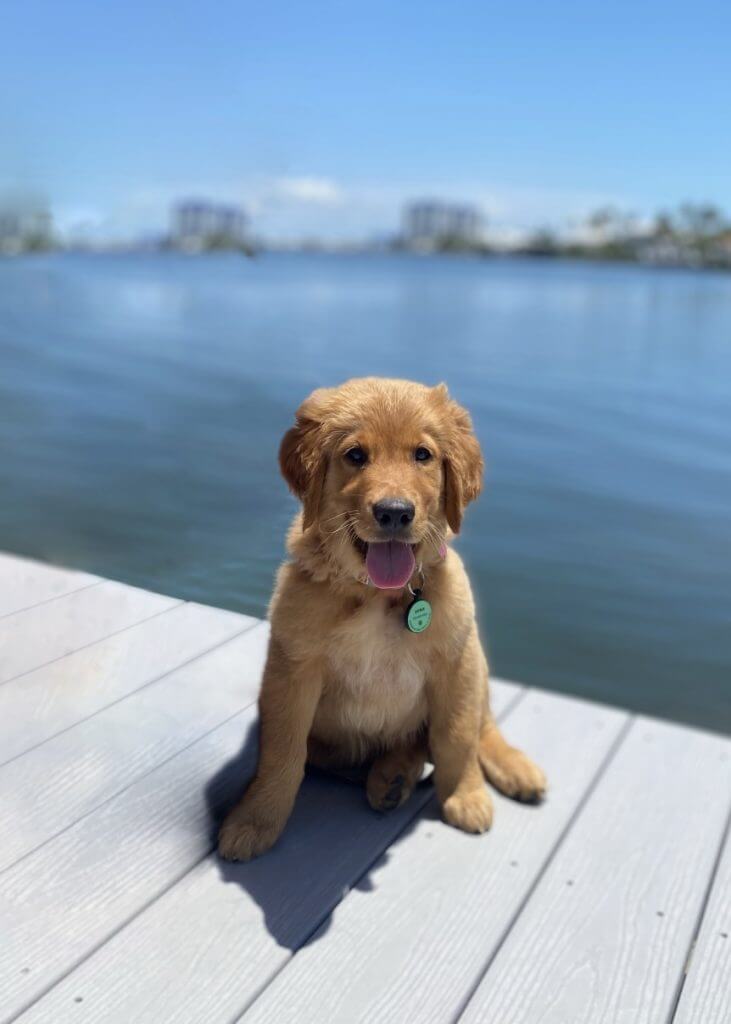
pixel 24 224
pixel 198 223
pixel 431 222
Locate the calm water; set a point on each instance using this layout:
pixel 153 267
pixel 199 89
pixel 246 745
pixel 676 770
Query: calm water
pixel 142 400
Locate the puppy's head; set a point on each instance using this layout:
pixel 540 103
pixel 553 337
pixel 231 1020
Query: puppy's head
pixel 383 469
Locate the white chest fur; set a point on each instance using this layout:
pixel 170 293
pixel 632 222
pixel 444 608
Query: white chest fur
pixel 377 672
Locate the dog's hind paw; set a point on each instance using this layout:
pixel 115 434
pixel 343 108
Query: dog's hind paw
pixel 392 777
pixel 515 775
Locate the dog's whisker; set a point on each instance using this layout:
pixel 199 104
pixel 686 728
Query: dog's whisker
pixel 339 515
pixel 431 535
pixel 343 526
pixel 434 535
pixel 347 534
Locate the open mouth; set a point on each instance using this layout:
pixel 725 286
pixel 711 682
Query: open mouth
pixel 390 565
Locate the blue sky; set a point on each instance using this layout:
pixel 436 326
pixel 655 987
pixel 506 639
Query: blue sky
pixel 323 117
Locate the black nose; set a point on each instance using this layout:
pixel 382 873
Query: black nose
pixel 393 514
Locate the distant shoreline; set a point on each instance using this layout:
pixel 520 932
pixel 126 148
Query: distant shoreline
pixel 352 251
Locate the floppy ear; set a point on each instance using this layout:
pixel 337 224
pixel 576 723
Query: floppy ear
pixel 463 465
pixel 302 456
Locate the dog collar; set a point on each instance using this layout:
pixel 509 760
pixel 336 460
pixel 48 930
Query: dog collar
pixel 418 614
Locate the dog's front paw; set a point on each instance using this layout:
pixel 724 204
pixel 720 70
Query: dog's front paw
pixel 471 811
pixel 245 835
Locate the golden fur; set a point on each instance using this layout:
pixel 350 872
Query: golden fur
pixel 346 683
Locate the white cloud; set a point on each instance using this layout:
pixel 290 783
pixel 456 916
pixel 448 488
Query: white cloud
pixel 320 191
pixel 74 219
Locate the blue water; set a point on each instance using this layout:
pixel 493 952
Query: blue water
pixel 142 399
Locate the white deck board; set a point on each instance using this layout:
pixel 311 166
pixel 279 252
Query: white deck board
pixel 606 934
pixel 126 728
pixel 25 583
pixel 706 995
pixel 55 697
pixel 59 903
pixel 446 898
pixel 50 630
pixel 211 942
pixel 51 787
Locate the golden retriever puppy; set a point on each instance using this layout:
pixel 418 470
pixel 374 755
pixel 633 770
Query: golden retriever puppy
pixel 374 658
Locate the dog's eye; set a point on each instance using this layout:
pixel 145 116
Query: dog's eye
pixel 356 456
pixel 422 454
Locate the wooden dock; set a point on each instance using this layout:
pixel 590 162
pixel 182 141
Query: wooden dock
pixel 127 722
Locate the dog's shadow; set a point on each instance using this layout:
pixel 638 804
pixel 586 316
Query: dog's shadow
pixel 332 843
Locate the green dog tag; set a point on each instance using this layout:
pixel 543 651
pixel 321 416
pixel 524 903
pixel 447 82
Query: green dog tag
pixel 418 615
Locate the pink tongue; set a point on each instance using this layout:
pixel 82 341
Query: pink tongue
pixel 390 565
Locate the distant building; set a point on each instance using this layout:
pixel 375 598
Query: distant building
pixel 24 225
pixel 198 224
pixel 666 252
pixel 429 224
pixel 721 249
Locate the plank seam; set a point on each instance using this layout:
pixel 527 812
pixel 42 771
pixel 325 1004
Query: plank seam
pixel 428 798
pixel 578 810
pixel 49 600
pixel 132 693
pixel 725 837
pixel 132 782
pixel 99 640
pixel 147 903
pixel 193 867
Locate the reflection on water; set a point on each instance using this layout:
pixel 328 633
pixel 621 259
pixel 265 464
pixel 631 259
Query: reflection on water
pixel 142 400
